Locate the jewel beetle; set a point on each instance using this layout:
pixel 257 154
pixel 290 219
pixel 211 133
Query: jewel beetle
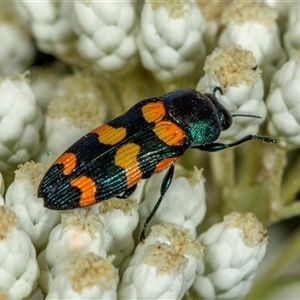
pixel 150 137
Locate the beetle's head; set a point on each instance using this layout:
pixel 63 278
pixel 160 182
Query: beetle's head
pixel 201 115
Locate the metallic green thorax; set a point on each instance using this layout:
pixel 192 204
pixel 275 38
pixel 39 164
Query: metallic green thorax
pixel 202 132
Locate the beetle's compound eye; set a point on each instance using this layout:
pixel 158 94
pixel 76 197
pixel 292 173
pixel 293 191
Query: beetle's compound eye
pixel 223 114
pixel 225 118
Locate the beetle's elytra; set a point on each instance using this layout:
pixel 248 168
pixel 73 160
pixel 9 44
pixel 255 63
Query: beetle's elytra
pixel 150 137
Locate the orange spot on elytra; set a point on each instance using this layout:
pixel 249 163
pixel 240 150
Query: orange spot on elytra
pixel 87 188
pixel 69 162
pixel 153 112
pixel 169 133
pixel 109 135
pixel 164 163
pixel 126 158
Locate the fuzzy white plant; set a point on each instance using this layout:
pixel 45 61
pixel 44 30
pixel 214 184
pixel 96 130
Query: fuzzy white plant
pixel 187 187
pixel 106 34
pixel 76 108
pixel 283 103
pixel 19 270
pixel 86 276
pixel 79 233
pixel 163 266
pixel 17 50
pixel 170 41
pixel 235 71
pixel 120 218
pixel 212 12
pixel 50 26
pixel 21 196
pixel 292 34
pixel 234 249
pixel 20 122
pixel 253 26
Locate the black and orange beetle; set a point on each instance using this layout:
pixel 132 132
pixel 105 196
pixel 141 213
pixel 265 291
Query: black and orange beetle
pixel 110 160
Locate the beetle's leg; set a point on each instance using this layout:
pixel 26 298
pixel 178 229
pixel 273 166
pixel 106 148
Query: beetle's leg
pixel 219 146
pixel 163 189
pixel 127 192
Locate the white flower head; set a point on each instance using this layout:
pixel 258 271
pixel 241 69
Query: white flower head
pixel 163 266
pixel 17 50
pixel 158 274
pixel 120 218
pixel 212 12
pixel 283 103
pixel 44 81
pixel 77 108
pixel 80 232
pixel 106 34
pixel 87 276
pixel 21 196
pixel 234 250
pixel 170 41
pixel 50 25
pixel 20 122
pixel 235 71
pixel 253 26
pixel 292 34
pixel 18 266
pixel 184 202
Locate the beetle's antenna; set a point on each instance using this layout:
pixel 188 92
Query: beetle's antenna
pixel 247 116
pixel 217 89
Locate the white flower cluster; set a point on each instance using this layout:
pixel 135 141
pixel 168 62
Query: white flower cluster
pixel 92 253
pixel 102 235
pixel 104 35
pixel 292 34
pixel 20 122
pixel 170 40
pixel 233 251
pixel 283 103
pixel 50 26
pixel 254 27
pixel 76 107
pixel 235 70
pixel 17 50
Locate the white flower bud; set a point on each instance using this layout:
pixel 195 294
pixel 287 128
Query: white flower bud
pixel 253 26
pixel 44 81
pixel 170 41
pixel 84 277
pixel 21 196
pixel 106 34
pixel 235 70
pixel 283 103
pixel 18 266
pixel 292 34
pixel 77 108
pixel 158 274
pixel 17 49
pixel 233 252
pixel 80 232
pixel 184 202
pixel 120 218
pixel 163 266
pixel 212 12
pixel 50 26
pixel 20 122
